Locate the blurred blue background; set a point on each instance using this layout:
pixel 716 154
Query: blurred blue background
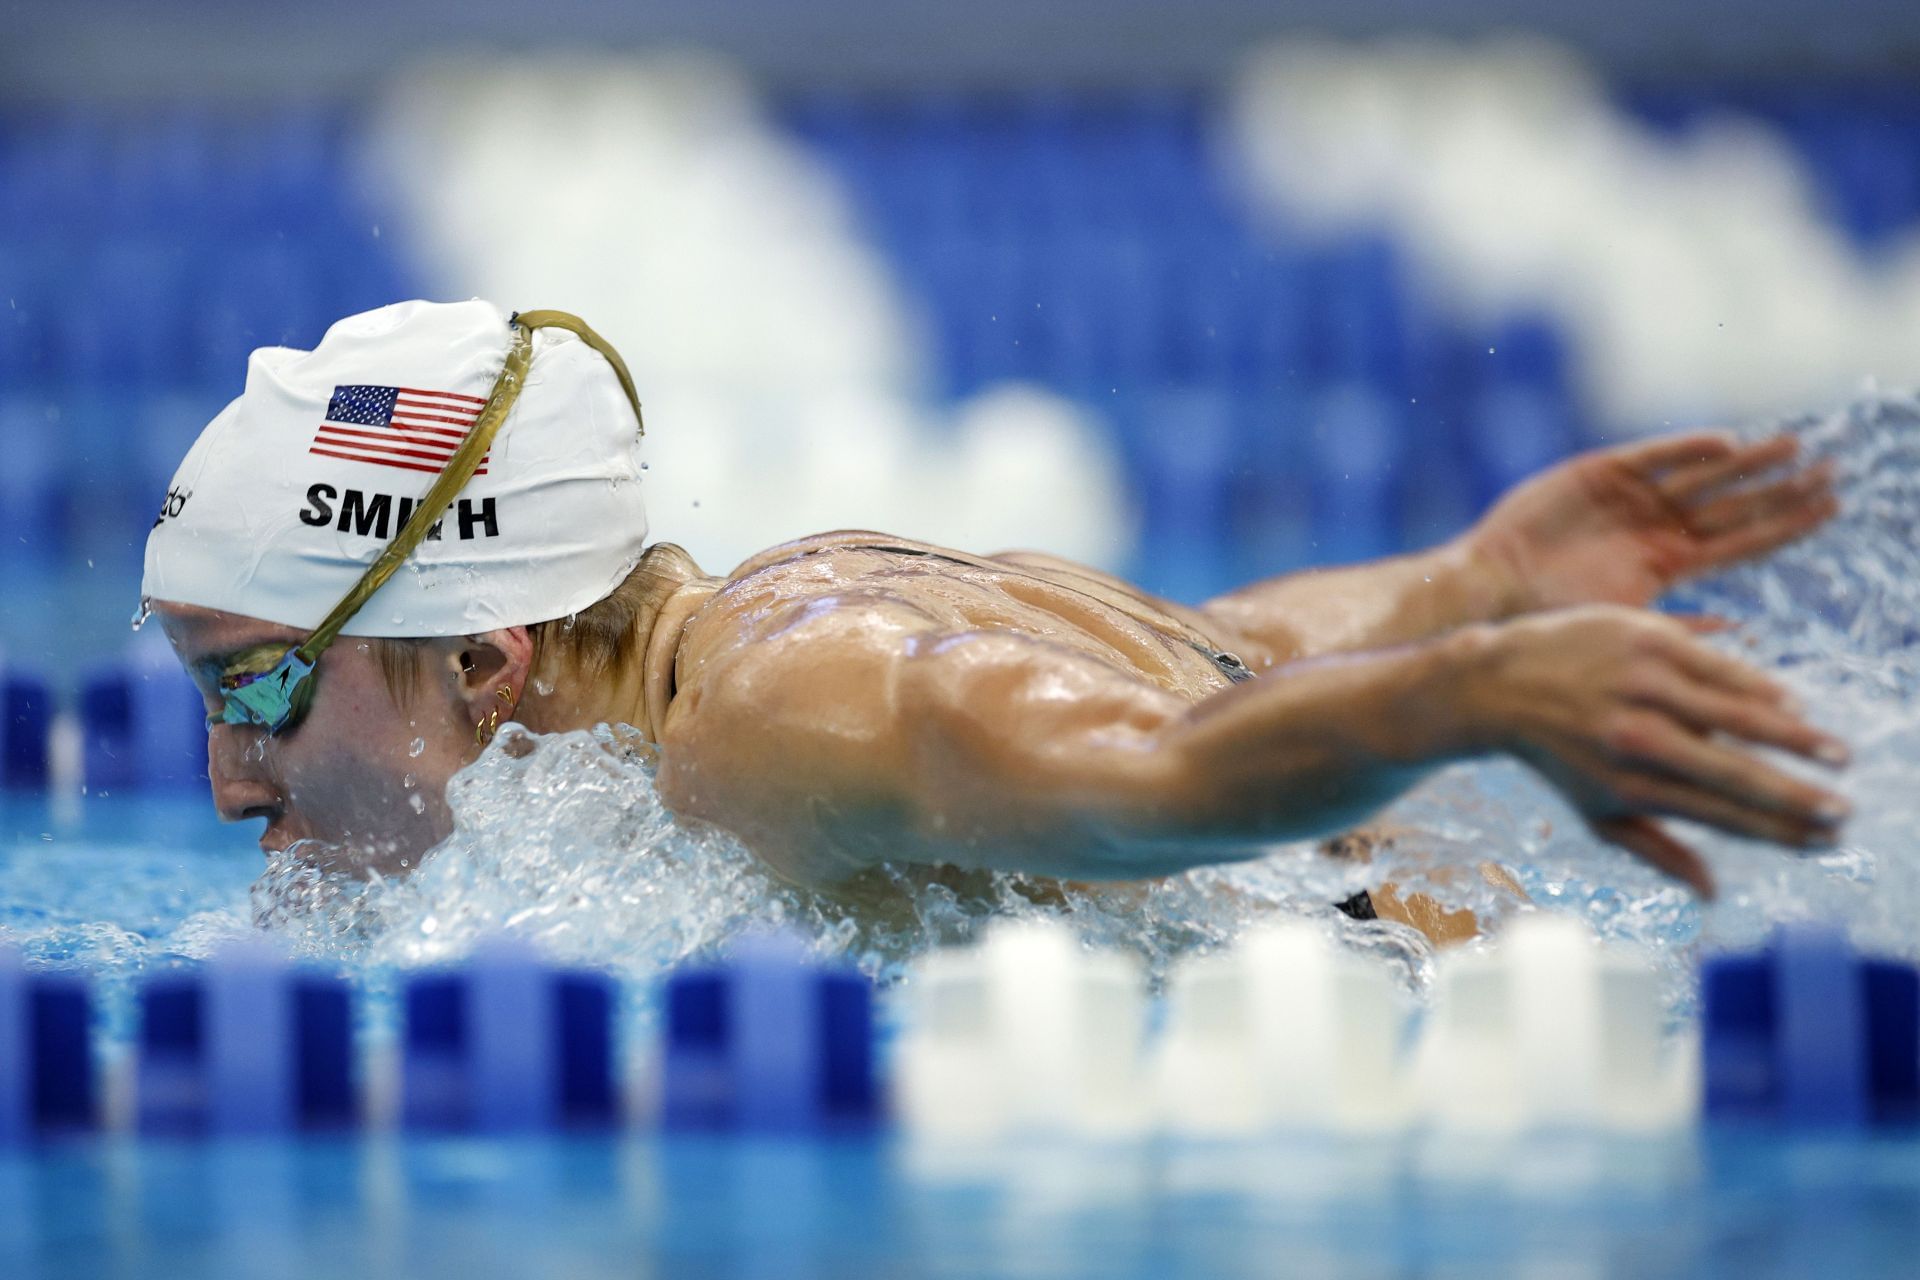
pixel 1055 202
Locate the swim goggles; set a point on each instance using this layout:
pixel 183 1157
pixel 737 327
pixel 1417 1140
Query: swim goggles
pixel 271 685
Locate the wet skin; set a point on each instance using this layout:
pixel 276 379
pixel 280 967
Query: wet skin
pixel 838 706
pixel 349 775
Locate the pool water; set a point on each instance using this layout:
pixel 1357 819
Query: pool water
pixel 565 842
pixel 572 1209
pixel 118 884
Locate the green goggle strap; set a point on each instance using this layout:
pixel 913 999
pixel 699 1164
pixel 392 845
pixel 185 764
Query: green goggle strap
pixel 282 696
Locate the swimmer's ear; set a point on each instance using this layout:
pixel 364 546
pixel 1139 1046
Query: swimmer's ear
pixel 489 671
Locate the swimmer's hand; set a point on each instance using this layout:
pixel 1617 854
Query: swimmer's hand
pixel 1632 719
pixel 1624 525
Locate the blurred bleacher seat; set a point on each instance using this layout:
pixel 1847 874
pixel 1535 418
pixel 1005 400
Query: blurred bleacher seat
pixel 1279 398
pixel 143 253
pixel 1094 244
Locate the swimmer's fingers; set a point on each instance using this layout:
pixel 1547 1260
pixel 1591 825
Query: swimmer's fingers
pixel 1762 503
pixel 1672 771
pixel 1649 841
pixel 1769 532
pixel 1764 721
pixel 1704 624
pixel 1688 482
pixel 1706 665
pixel 1657 795
pixel 1666 454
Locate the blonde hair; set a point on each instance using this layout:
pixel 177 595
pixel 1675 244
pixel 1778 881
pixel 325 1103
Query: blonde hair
pixel 601 640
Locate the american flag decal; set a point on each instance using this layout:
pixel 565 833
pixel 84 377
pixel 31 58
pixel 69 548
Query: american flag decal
pixel 397 427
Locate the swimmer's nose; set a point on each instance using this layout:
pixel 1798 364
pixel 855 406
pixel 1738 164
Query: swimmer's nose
pixel 242 786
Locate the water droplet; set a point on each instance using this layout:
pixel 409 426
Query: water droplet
pixel 419 804
pixel 418 745
pixel 141 614
pixel 409 782
pixel 543 687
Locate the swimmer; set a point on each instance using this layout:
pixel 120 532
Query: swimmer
pixel 431 525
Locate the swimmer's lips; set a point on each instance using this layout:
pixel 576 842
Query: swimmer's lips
pixel 278 834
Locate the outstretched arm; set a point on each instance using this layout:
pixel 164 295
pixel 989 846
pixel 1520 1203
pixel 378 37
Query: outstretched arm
pixel 1613 526
pixel 843 732
pixel 1365 606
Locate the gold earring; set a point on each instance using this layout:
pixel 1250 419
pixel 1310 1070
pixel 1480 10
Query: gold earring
pixel 483 733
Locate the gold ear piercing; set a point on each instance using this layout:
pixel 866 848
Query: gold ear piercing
pixel 483 733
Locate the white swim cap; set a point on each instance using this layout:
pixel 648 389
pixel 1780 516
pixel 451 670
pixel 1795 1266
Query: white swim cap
pixel 294 489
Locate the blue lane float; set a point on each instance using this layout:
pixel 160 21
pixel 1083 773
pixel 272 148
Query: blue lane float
pixel 509 1045
pixel 26 720
pixel 1809 1033
pixel 109 756
pixel 169 717
pixel 247 1045
pixel 47 1081
pixel 768 1042
pixel 143 724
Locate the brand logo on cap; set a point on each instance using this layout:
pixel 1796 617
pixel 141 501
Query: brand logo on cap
pixel 172 507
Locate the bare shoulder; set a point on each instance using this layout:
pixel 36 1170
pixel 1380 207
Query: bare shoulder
pixel 821 585
pixel 800 554
pixel 836 708
pixel 1084 576
pixel 780 727
pixel 825 556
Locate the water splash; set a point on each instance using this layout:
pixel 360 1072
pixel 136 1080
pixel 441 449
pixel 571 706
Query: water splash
pixel 564 839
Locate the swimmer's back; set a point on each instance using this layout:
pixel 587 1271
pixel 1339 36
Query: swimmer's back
pixel 854 699
pixel 1026 592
